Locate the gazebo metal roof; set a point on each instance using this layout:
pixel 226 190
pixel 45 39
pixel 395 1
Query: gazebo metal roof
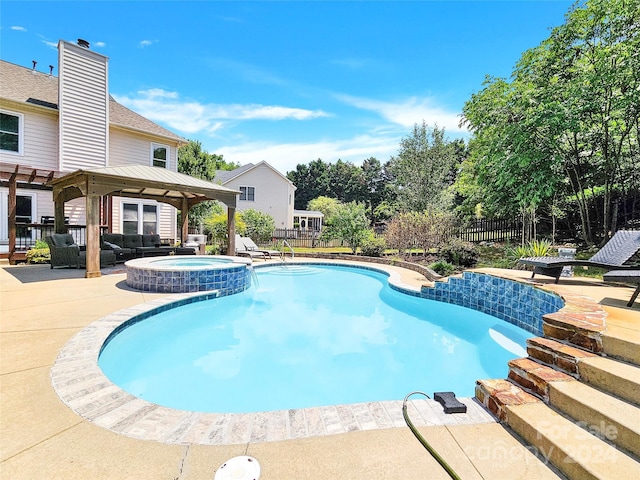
pixel 141 181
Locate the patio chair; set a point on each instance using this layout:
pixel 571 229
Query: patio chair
pixel 63 249
pixel 613 256
pixel 625 276
pixel 243 251
pixel 251 246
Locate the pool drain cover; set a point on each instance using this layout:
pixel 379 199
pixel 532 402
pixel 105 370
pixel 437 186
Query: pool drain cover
pixel 239 468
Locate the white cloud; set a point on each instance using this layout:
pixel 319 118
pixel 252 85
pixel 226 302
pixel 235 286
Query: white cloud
pixel 146 43
pixel 408 112
pixel 99 44
pixel 285 156
pixel 18 28
pixel 49 44
pixel 190 116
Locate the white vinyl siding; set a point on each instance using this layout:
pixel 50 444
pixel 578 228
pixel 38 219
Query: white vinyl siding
pixel 126 149
pixel 272 193
pixel 40 142
pixel 84 108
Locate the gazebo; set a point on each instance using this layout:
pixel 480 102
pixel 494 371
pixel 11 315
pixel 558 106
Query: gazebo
pixel 135 181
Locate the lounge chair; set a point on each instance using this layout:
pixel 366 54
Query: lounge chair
pixel 613 256
pixel 625 276
pixel 243 251
pixel 65 253
pixel 252 247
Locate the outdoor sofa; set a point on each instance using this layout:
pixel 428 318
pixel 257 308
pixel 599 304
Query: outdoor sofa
pixel 127 246
pixel 615 255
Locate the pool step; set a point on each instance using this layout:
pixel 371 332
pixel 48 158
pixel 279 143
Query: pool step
pixel 580 449
pixel 573 326
pixel 575 451
pixel 605 415
pixel 618 378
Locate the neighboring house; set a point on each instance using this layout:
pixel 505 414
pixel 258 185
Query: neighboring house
pixel 262 188
pixel 55 125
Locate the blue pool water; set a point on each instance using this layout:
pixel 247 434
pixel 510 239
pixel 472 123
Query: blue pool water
pixel 189 262
pixel 308 336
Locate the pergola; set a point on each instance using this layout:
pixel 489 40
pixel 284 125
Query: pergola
pixel 12 174
pixel 135 181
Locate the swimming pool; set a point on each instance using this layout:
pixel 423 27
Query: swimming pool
pixel 308 336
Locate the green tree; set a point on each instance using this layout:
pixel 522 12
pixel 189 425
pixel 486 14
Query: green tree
pixel 194 161
pixel 375 183
pixel 422 169
pixel 349 224
pixel 567 123
pixel 259 226
pixel 345 182
pixel 311 181
pixel 328 206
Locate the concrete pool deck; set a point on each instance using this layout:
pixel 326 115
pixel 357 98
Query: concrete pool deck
pixel 42 309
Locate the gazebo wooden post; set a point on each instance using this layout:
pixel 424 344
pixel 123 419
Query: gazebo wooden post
pixel 93 236
pixel 58 221
pixel 231 230
pixel 184 228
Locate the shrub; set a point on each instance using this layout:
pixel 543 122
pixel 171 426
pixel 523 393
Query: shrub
pixel 373 246
pixel 259 225
pixel 460 253
pixel 39 255
pixel 442 268
pixel 535 248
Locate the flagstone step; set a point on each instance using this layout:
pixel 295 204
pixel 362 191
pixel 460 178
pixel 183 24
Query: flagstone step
pixel 573 450
pixel 556 354
pixel 622 344
pixel 581 322
pixel 605 416
pixel 618 378
pixel 611 376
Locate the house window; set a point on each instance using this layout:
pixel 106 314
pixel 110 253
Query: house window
pixel 11 128
pixel 248 194
pixel 159 155
pixel 139 218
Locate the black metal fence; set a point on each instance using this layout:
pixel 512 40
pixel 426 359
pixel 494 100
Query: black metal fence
pixel 490 230
pixel 28 233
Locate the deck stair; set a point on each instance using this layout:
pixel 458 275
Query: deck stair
pixel 575 400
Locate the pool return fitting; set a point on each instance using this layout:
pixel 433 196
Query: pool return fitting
pixel 422 440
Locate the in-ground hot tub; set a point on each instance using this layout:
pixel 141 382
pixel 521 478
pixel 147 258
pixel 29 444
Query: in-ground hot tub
pixel 177 274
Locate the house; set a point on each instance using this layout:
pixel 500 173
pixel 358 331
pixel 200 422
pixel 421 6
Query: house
pixel 262 188
pixel 51 126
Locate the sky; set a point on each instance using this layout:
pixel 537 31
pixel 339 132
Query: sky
pixel 289 82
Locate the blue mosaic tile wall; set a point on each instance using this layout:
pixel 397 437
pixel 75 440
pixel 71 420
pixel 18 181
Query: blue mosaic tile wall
pixel 519 304
pixel 227 280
